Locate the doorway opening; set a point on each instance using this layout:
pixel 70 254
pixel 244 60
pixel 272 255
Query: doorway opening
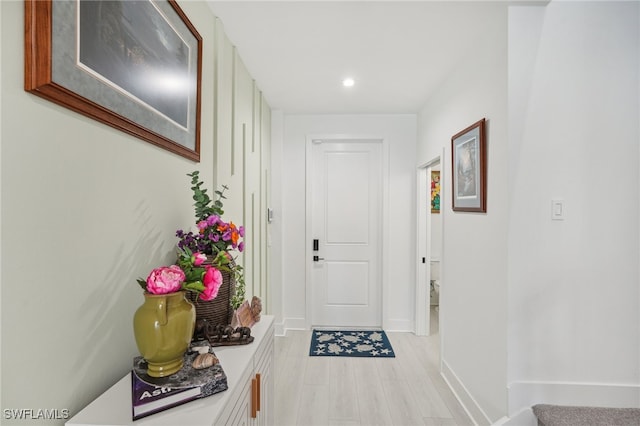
pixel 429 247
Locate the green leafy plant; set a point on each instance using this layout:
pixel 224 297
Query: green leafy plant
pixel 203 203
pixel 238 298
pixel 215 237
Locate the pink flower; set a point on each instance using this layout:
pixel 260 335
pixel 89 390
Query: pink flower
pixel 166 279
pixel 199 259
pixel 212 281
pixel 202 225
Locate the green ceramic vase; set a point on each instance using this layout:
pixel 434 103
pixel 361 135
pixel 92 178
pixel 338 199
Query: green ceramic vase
pixel 163 327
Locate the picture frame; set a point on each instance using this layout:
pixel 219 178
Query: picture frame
pixel 435 191
pixel 468 169
pixel 141 75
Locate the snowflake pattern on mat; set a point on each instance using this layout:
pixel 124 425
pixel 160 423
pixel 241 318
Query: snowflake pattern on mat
pixel 350 343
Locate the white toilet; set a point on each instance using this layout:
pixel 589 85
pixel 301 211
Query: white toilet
pixel 435 292
pixel 435 283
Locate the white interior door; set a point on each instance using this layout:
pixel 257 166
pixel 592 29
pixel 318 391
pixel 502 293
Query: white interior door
pixel 346 192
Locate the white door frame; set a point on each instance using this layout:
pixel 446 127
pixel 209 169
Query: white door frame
pixel 384 270
pixel 423 250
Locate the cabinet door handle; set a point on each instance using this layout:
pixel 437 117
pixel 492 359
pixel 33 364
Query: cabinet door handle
pixel 259 382
pixel 254 394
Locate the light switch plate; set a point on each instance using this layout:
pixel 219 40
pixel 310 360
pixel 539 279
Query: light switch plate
pixel 557 209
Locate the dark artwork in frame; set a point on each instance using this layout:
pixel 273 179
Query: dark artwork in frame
pixel 125 42
pixel 134 65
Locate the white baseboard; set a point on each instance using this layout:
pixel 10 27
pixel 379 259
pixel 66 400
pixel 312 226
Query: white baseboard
pixel 290 324
pixel 399 325
pixel 527 394
pixel 470 405
pixel 279 329
pixel 301 324
pixel 524 418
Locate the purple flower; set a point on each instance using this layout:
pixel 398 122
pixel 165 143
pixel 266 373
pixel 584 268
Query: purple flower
pixel 213 219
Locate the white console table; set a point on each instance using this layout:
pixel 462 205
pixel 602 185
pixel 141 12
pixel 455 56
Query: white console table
pixel 246 366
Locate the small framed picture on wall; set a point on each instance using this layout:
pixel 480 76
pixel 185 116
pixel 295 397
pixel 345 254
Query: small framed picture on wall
pixel 435 191
pixel 469 173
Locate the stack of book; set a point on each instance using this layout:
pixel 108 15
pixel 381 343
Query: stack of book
pixel 152 395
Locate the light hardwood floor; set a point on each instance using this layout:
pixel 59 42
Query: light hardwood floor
pixel 327 391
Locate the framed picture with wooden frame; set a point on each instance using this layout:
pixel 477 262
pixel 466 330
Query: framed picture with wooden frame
pixel 469 170
pixel 133 65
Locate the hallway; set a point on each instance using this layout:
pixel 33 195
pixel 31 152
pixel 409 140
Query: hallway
pixel 406 390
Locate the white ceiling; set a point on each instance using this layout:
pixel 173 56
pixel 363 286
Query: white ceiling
pixel 398 52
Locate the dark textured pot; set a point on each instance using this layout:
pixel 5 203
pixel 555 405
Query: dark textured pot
pixel 217 311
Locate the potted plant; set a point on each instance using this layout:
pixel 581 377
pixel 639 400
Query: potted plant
pixel 218 240
pixel 163 325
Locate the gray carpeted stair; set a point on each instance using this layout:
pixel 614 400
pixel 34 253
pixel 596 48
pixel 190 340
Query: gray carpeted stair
pixel 562 415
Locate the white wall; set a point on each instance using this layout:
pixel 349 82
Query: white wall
pixel 86 210
pixel 400 133
pixel 574 134
pixel 473 298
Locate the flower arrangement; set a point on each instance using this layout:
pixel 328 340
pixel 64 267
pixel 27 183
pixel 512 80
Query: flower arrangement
pixel 215 238
pixel 189 274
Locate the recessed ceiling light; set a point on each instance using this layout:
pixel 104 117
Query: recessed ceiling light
pixel 348 82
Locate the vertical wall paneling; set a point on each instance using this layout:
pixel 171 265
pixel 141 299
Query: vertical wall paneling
pixel 243 124
pixel 235 201
pixel 255 249
pixel 255 177
pixel 233 113
pixel 265 161
pixel 242 186
pixel 253 181
pixel 223 157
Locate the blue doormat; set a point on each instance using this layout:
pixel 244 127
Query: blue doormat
pixel 361 343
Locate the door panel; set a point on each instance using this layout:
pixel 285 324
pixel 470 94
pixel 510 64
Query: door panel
pixel 347 195
pixel 346 217
pixel 347 283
